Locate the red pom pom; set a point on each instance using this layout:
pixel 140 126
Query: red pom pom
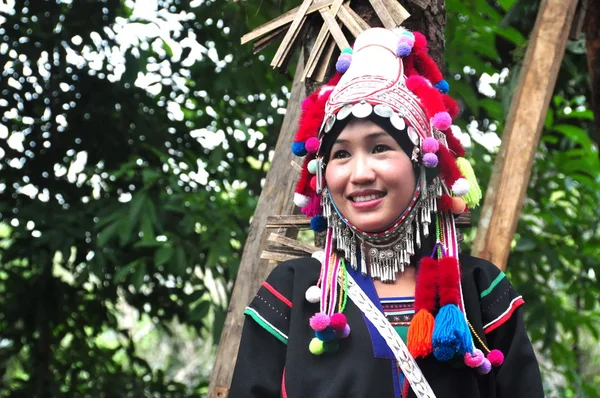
pixel 444 202
pixel 313 183
pixel 338 321
pixel 319 321
pixel 496 357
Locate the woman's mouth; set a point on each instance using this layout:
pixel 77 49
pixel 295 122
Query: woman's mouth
pixel 367 201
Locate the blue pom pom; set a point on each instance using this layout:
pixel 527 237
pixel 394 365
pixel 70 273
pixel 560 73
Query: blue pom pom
pixel 298 149
pixel 343 63
pixel 451 332
pixel 403 49
pixel 328 334
pixel 318 223
pixel 443 86
pixel 444 353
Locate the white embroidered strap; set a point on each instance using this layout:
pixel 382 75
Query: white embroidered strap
pixel 405 360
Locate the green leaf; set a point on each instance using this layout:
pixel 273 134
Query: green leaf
pixel 163 255
pixel 121 274
pixel 138 276
pixel 136 205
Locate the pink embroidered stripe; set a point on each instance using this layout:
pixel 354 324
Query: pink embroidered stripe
pixel 277 294
pixel 283 391
pixel 504 317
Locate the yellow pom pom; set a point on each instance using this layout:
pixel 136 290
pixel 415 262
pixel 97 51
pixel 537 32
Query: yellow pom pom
pixel 316 346
pixel 474 196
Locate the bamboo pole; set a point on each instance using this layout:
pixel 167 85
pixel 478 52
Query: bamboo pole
pixel 512 170
pixel 275 198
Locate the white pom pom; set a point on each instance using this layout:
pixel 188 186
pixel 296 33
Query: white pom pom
pixel 301 200
pixel 313 294
pixel 461 187
pixel 319 255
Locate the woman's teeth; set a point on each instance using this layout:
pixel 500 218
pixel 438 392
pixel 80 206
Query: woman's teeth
pixel 365 198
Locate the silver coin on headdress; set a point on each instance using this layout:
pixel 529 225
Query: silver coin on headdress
pixel 383 110
pixel 397 121
pixel 329 123
pixel 362 110
pixel 344 112
pixel 413 135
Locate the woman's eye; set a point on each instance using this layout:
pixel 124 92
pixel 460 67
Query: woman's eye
pixel 380 148
pixel 341 154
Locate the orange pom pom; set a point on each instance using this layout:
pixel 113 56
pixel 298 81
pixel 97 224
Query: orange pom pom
pixel 458 206
pixel 420 334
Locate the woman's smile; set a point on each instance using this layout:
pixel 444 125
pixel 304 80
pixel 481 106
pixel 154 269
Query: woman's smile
pixel 370 177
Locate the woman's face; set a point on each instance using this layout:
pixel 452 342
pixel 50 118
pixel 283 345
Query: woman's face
pixel 370 177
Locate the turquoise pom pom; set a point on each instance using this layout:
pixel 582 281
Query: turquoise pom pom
pixel 298 149
pixel 451 333
pixel 442 86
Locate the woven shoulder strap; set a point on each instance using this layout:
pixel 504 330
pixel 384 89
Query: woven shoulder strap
pixel 405 360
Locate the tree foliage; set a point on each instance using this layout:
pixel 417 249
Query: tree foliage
pixel 133 143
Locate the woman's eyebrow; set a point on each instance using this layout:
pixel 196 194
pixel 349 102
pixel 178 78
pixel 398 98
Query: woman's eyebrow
pixel 368 136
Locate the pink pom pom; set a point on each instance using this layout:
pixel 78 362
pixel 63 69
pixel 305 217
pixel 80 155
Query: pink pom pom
pixel 342 334
pixel 338 321
pixel 343 63
pixel 409 40
pixel 312 145
pixel 430 145
pixel 442 121
pixel 475 359
pixel 415 82
pixel 430 160
pixel 319 321
pixel 485 367
pixel 496 357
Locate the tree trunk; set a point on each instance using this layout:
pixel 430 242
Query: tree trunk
pixel 276 196
pixel 592 40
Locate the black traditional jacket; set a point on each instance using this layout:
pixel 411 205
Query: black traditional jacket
pixel 274 360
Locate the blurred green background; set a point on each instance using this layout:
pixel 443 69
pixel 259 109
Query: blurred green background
pixel 134 139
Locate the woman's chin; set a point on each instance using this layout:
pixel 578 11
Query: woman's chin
pixel 371 226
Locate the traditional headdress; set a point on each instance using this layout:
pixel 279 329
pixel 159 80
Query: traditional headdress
pixel 390 74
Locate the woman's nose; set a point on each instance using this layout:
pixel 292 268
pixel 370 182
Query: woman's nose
pixel 362 171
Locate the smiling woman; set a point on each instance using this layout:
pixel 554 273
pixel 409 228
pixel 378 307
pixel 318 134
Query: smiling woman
pixel 384 177
pixel 369 176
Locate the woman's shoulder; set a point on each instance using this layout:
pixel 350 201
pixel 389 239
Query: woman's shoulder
pixel 297 269
pixel 478 269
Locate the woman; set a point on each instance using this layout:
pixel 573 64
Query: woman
pixel 389 309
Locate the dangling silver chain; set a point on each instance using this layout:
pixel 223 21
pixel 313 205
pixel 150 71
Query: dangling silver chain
pixel 390 253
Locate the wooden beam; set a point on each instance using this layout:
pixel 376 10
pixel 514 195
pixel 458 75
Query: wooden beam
pixel 291 34
pixel 275 198
pixel 510 178
pixel 592 41
pixel 282 20
pixel 383 13
pixel 350 21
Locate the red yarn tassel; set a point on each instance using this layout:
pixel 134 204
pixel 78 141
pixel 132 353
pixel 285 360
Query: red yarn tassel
pixel 420 331
pixel 449 276
pixel 454 143
pixel 448 169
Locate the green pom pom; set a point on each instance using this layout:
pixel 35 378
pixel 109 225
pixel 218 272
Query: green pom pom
pixel 332 346
pixel 347 50
pixel 316 346
pixel 474 196
pixel 312 166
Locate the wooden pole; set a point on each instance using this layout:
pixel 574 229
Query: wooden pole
pixel 275 198
pixel 592 40
pixel 512 170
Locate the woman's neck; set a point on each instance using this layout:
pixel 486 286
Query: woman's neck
pixel 403 286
